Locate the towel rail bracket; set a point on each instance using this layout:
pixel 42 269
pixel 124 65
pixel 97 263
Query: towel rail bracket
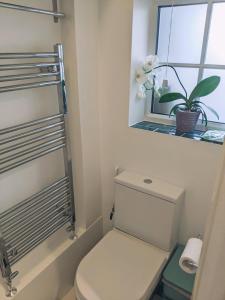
pixel 7 273
pixel 55 10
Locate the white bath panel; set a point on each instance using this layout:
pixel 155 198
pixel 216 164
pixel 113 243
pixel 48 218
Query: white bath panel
pixel 52 274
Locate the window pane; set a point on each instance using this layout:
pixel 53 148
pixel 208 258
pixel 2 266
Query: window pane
pixel 217 99
pixel 186 34
pixel 189 78
pixel 216 42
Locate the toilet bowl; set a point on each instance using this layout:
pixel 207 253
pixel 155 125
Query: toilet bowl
pixel 119 267
pixel 127 263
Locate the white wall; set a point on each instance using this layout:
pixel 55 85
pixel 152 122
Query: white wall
pixel 209 282
pixel 80 40
pixel 22 31
pixel 186 163
pixel 139 50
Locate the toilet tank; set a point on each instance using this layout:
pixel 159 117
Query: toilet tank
pixel 148 208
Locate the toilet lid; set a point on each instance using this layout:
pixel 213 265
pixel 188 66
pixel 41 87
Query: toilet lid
pixel 120 267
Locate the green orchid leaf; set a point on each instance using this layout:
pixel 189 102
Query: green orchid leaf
pixel 203 113
pixel 205 87
pixel 176 107
pixel 171 97
pixel 200 109
pixel 204 116
pixel 209 108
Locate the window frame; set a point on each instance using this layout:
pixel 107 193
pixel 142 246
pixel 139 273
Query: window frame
pixel 154 25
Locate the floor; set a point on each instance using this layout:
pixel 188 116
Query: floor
pixel 156 298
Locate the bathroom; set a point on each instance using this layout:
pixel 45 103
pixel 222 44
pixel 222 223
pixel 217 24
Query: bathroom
pixel 103 43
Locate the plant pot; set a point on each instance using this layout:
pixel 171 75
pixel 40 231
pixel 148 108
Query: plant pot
pixel 186 120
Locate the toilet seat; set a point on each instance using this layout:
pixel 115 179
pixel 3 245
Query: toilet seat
pixel 119 267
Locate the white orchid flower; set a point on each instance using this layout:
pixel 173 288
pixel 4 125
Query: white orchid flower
pixel 149 84
pixel 141 77
pixel 151 62
pixel 141 94
pixel 146 75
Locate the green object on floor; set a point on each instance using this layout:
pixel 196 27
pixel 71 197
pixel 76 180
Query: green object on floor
pixel 176 284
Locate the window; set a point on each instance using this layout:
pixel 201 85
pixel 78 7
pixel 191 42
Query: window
pixel 195 46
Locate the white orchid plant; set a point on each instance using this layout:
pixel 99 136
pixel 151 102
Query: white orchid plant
pixel 146 77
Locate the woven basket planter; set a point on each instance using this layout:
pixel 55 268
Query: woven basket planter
pixel 186 120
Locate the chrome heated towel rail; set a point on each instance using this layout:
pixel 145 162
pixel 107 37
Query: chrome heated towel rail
pixel 26 142
pixel 30 222
pixel 55 13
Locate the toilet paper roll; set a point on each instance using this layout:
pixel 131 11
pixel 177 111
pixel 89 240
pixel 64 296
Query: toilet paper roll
pixel 189 260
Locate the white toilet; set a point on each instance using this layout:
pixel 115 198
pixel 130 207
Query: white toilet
pixel 126 264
